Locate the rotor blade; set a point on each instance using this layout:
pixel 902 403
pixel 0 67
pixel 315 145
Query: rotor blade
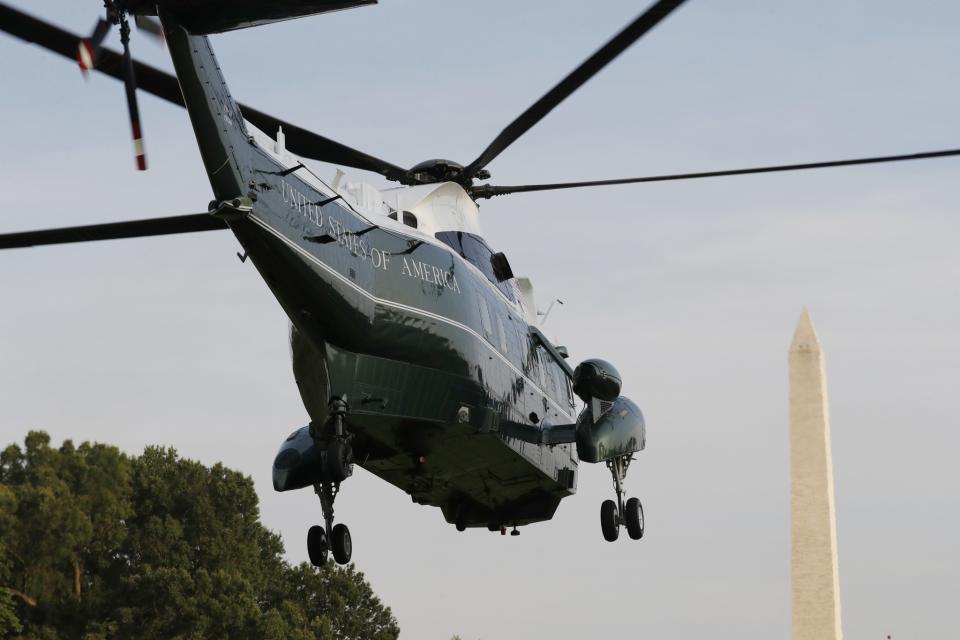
pixel 488 191
pixel 89 48
pixel 590 67
pixel 130 84
pixel 307 144
pixel 300 141
pixel 100 31
pixel 114 230
pixel 149 25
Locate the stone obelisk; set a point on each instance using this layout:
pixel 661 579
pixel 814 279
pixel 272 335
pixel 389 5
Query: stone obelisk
pixel 813 525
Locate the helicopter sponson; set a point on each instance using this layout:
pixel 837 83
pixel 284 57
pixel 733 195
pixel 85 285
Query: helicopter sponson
pixel 215 16
pixel 610 427
pixel 618 429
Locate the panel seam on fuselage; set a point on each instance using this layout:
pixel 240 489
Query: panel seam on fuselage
pixel 398 305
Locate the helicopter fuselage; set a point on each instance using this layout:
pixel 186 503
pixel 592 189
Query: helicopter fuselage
pixel 432 354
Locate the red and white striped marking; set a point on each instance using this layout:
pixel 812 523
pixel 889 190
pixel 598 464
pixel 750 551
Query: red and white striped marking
pixel 85 56
pixel 138 148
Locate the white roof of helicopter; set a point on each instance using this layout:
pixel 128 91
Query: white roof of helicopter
pixel 441 206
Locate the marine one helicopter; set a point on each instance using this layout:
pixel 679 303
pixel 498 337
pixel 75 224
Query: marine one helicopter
pixel 415 348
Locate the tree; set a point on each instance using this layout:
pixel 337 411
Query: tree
pixel 98 544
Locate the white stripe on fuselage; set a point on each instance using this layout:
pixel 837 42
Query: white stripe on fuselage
pixel 287 160
pixel 404 307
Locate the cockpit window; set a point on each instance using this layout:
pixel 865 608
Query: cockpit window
pixel 473 249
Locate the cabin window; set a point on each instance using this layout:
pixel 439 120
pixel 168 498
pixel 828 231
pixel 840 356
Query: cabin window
pixel 503 335
pixel 451 239
pixel 542 369
pixel 474 250
pixel 409 219
pixel 485 318
pixel 556 379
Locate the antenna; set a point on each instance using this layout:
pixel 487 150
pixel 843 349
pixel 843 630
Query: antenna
pixel 337 179
pixel 543 314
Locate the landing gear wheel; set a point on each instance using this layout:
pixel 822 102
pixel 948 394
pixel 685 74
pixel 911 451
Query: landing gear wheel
pixel 339 455
pixel 608 520
pixel 633 514
pixel 342 544
pixel 317 546
pixel 336 467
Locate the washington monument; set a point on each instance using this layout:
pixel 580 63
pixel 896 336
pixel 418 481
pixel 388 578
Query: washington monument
pixel 813 532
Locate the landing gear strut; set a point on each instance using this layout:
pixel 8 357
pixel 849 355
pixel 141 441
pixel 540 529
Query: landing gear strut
pixel 613 515
pixel 337 467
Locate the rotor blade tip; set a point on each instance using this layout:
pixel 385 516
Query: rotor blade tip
pixel 86 56
pixel 138 149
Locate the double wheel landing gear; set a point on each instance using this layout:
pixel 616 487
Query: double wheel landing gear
pixel 613 515
pixel 337 467
pixel 319 542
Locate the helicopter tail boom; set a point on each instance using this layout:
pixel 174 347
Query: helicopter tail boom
pixel 215 16
pixel 216 117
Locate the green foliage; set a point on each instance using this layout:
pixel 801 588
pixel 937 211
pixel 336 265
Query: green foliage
pixel 95 544
pixel 9 622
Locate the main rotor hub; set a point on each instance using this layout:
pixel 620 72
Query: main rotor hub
pixel 436 170
pixel 442 170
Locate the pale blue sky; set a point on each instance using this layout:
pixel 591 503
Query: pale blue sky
pixel 692 289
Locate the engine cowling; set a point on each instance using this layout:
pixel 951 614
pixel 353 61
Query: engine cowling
pixel 596 378
pixel 620 430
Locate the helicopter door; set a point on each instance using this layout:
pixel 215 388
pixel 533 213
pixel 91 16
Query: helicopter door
pixel 538 402
pixel 546 383
pixel 535 401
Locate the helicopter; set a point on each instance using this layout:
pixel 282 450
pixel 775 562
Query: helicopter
pixel 415 348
